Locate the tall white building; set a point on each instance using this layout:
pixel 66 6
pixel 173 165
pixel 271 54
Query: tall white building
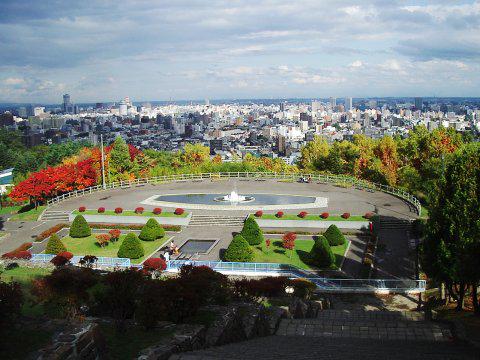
pixel 348 104
pixel 333 102
pixel 315 106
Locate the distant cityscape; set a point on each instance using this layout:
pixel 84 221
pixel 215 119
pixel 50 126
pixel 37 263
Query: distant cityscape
pixel 233 128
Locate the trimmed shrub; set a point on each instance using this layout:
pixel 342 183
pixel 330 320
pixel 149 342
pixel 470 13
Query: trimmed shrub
pixel 131 247
pixel 302 214
pixel 103 226
pixel 288 240
pixel 47 233
pixel 252 232
pixel 157 211
pixel 54 245
pixel 279 214
pixel 102 240
pixel 239 250
pixel 66 254
pixel 369 215
pixel 59 261
pixel 154 264
pixel 80 228
pixel 23 255
pixel 118 210
pixel 139 210
pixel 303 288
pixel 259 213
pixel 324 215
pixel 101 210
pixel 179 211
pixel 114 234
pixel 334 236
pixel 346 215
pixel 151 231
pixel 82 208
pixel 321 254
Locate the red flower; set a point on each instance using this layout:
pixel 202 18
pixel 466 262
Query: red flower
pixel 118 210
pixel 179 211
pixel 302 214
pixel 259 213
pixel 324 215
pixel 157 211
pixel 279 214
pixel 82 208
pixel 139 210
pixel 101 209
pixel 346 215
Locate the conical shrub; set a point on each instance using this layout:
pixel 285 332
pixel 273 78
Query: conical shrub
pixel 239 250
pixel 334 236
pixel 151 231
pixel 131 247
pixel 80 228
pixel 321 254
pixel 252 232
pixel 54 245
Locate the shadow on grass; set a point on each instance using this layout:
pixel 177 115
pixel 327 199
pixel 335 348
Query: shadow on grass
pixel 304 256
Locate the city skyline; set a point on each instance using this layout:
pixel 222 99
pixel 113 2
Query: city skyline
pixel 238 50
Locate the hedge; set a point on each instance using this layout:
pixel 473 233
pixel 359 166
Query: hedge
pixel 80 228
pixel 151 231
pixel 334 236
pixel 55 245
pixel 131 247
pixel 321 254
pixel 47 233
pixel 174 228
pixel 239 250
pixel 252 232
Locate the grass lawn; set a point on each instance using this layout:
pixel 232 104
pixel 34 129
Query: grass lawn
pixel 29 215
pixel 88 246
pixel 310 217
pixel 297 257
pixel 9 209
pixel 130 213
pixel 128 344
pixel 23 275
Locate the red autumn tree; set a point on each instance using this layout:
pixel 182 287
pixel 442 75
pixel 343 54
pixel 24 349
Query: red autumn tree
pixel 288 241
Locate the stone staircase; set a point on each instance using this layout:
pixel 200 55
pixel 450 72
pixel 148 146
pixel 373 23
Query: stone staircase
pixel 398 224
pixel 347 334
pixel 215 220
pixel 55 215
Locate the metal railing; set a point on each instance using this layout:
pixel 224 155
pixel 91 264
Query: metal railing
pixel 331 179
pixel 108 262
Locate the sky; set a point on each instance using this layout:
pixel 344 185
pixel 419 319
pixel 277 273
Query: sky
pixel 102 50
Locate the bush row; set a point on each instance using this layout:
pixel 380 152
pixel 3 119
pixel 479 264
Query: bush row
pixel 324 215
pixel 138 210
pixel 20 252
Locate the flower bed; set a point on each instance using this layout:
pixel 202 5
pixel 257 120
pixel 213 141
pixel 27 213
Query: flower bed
pixel 50 231
pixel 316 217
pixel 122 212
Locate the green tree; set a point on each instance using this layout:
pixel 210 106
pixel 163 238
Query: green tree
pixel 252 232
pixel 321 254
pixel 80 228
pixel 451 249
pixel 334 236
pixel 131 247
pixel 54 245
pixel 119 163
pixel 151 231
pixel 314 153
pixel 239 250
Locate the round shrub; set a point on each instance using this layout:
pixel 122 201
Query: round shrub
pixel 151 231
pixel 179 211
pixel 139 210
pixel 346 215
pixel 239 250
pixel 321 254
pixel 23 255
pixel 252 232
pixel 157 211
pixel 82 208
pixel 66 254
pixel 279 214
pixel 334 236
pixel 369 215
pixel 324 215
pixel 59 261
pixel 54 245
pixel 118 210
pixel 131 247
pixel 80 228
pixel 259 213
pixel 302 214
pixel 303 288
pixel 154 264
pixel 101 210
pixel 114 234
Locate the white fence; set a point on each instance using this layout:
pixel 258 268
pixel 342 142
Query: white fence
pixel 330 179
pixel 101 262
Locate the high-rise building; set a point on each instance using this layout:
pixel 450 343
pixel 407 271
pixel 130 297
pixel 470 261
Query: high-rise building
pixel 281 145
pixel 315 106
pixel 418 103
pixel 66 103
pixel 348 104
pixel 333 102
pixel 123 108
pixel 282 106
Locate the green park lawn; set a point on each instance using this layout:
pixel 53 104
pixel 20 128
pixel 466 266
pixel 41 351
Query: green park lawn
pixel 130 213
pixel 297 257
pixel 29 215
pixel 9 210
pixel 88 246
pixel 23 275
pixel 310 217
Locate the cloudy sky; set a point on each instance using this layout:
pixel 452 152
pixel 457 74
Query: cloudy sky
pixel 102 50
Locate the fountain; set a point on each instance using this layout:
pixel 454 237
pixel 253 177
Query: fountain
pixel 234 198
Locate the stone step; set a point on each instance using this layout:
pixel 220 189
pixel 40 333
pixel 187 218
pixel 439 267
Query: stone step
pixel 375 315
